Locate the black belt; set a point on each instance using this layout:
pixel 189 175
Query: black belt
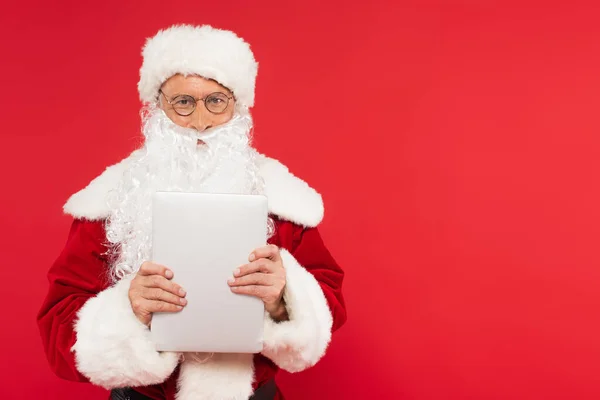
pixel 266 391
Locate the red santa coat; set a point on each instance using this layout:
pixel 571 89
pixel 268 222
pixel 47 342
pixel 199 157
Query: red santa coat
pixel 90 333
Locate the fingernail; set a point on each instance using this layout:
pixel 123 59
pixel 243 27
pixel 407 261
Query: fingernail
pixel 179 307
pixel 181 292
pixel 169 274
pixel 230 280
pixel 183 301
pixel 252 257
pixel 236 272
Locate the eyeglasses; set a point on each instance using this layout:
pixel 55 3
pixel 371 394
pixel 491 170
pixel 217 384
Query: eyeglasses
pixel 185 104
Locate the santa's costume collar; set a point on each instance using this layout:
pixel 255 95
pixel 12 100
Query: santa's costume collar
pixel 289 197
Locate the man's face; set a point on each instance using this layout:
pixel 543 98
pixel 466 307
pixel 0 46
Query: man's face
pixel 198 88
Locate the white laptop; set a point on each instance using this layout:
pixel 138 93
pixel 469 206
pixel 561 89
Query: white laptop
pixel 203 238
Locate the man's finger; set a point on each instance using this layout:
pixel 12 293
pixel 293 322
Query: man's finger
pixel 157 281
pixel 162 295
pixel 253 279
pixel 251 290
pixel 261 265
pixel 150 268
pixel 161 306
pixel 270 251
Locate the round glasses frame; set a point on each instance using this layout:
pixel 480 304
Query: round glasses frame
pixel 194 100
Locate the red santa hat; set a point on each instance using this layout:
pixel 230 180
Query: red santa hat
pixel 198 50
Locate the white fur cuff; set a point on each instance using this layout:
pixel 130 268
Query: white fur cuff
pixel 299 343
pixel 113 348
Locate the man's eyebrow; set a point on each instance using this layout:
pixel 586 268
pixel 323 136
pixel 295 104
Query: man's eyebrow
pixel 204 93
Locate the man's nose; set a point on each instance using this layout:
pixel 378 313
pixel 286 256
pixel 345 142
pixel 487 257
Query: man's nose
pixel 199 120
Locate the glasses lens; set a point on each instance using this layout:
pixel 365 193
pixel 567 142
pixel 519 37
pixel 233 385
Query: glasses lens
pixel 184 105
pixel 216 102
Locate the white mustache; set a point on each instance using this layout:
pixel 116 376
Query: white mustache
pixel 206 135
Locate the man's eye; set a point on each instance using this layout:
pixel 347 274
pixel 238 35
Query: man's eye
pixel 215 100
pixel 183 102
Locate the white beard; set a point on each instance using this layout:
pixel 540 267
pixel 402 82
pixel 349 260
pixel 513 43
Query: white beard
pixel 172 160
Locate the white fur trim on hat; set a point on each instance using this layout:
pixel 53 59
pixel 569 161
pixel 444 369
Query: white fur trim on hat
pixel 198 50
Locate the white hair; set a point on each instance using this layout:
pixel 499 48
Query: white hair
pixel 172 160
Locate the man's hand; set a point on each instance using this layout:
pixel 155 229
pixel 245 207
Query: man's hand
pixel 263 277
pixel 152 291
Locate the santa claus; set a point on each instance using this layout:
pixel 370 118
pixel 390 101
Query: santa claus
pixel 197 85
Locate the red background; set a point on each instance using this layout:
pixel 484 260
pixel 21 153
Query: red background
pixel 455 144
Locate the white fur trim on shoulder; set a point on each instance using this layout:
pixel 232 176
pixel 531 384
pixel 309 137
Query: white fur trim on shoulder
pixel 222 377
pixel 299 343
pixel 289 197
pixel 113 348
pixel 91 202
